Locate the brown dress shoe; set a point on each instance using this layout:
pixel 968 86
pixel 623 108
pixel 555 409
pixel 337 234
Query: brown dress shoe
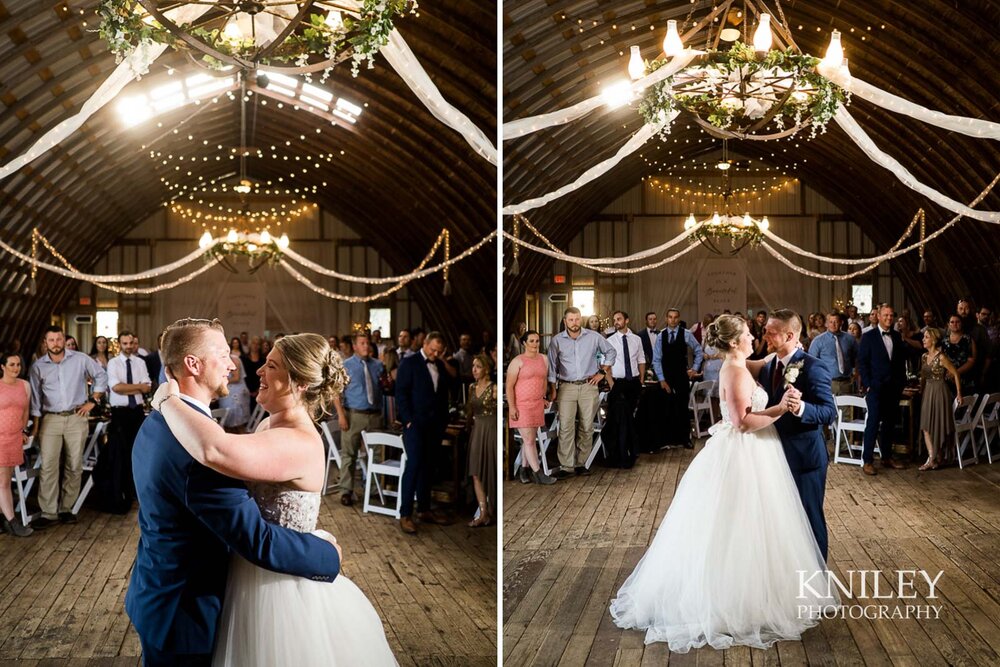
pixel 868 469
pixel 434 517
pixel 894 464
pixel 346 499
pixel 407 526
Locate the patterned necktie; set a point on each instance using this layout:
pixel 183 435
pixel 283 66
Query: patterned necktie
pixel 778 377
pixel 628 359
pixel 128 380
pixel 369 387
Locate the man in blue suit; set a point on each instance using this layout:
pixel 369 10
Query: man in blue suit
pixel 882 366
pixel 422 404
pixel 810 407
pixel 191 518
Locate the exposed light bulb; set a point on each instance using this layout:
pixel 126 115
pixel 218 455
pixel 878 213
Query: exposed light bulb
pixel 636 67
pixel 764 224
pixel 283 242
pixel 232 237
pixel 762 39
pixel 205 241
pixel 834 55
pixel 672 45
pixel 252 247
pixel 232 30
pixel 617 94
pixel 716 220
pixel 746 220
pixel 334 21
pixel 690 223
pixel 723 165
pixel 265 238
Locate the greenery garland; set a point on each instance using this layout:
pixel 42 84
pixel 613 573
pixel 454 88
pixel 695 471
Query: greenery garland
pixel 743 62
pixel 750 234
pixel 123 28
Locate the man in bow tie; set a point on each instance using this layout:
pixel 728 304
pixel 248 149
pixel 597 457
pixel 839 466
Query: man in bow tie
pixel 882 365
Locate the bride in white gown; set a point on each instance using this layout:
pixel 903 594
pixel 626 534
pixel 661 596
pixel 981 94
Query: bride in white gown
pixel 723 568
pixel 270 618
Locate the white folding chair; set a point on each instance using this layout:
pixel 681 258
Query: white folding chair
pixel 90 453
pixel 330 430
pixel 23 478
pixel 390 467
pixel 220 414
pixel 989 422
pixel 542 441
pixel 701 405
pixel 967 416
pixel 256 417
pixel 844 451
pixel 599 419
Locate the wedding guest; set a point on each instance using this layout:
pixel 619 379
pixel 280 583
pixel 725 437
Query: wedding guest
pixel 526 377
pixel 966 309
pixel 481 413
pixel 648 337
pixel 816 325
pixel 838 350
pixel 757 331
pixel 852 316
pixel 930 321
pixel 15 348
pixel 422 402
pixel 40 351
pixel 71 344
pixel 627 371
pixel 140 351
pixel 913 344
pixel 699 328
pixel 237 400
pixel 403 342
pixel 128 380
pixel 265 347
pixel 60 405
pixel 574 375
pixel 463 357
pixel 360 409
pixel 346 346
pixel 594 324
pixel 991 369
pixel 872 321
pixel 378 346
pixel 937 421
pixel 491 352
pixel 883 374
pixel 417 336
pixel 244 342
pixel 390 361
pixel 961 352
pixel 514 345
pixel 253 360
pixel 670 363
pixel 711 367
pixel 15 396
pixel 99 351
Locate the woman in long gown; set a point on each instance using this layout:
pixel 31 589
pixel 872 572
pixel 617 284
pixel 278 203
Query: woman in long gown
pixel 481 412
pixel 937 421
pixel 723 567
pixel 270 618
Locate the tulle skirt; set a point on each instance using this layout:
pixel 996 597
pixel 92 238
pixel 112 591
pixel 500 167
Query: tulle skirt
pixel 272 619
pixel 723 568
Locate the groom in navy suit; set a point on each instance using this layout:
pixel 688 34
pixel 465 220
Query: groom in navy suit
pixel 882 366
pixel 191 518
pixel 810 407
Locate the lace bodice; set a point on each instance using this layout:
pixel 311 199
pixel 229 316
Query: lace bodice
pixel 934 370
pixel 758 401
pixel 290 508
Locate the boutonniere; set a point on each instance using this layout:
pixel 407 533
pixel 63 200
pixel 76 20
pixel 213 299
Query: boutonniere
pixel 792 373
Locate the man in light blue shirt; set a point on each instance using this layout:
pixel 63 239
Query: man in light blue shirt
pixel 360 409
pixel 60 401
pixel 574 374
pixel 839 351
pixel 670 363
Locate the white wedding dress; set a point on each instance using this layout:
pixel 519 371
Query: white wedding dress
pixel 273 619
pixel 723 567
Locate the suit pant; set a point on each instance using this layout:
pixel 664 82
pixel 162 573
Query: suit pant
pixel 421 442
pixel 619 432
pixel 577 406
pixel 350 443
pixel 152 657
pixel 62 438
pixel 678 414
pixel 812 487
pixel 883 409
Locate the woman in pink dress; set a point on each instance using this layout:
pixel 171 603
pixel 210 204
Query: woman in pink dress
pixel 14 400
pixel 526 378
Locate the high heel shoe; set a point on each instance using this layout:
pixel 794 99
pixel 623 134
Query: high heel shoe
pixel 483 518
pixel 931 464
pixel 14 527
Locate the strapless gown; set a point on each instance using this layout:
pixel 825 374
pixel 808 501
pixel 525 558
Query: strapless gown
pixel 723 568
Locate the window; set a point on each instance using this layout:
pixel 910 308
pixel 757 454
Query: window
pixel 861 295
pixel 381 320
pixel 107 323
pixel 584 300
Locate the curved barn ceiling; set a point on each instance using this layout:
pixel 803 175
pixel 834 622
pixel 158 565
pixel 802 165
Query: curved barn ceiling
pixel 402 176
pixel 941 54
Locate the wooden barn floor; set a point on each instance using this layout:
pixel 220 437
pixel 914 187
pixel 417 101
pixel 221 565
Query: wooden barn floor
pixel 569 547
pixel 62 590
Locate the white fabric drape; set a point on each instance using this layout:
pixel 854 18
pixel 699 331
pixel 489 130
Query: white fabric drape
pixel 861 138
pixel 397 52
pixel 973 127
pixel 632 145
pixel 525 126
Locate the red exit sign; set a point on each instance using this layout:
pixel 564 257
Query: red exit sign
pixel 559 279
pixel 84 300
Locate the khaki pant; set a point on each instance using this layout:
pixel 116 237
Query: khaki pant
pixel 62 437
pixel 842 387
pixel 577 406
pixel 350 443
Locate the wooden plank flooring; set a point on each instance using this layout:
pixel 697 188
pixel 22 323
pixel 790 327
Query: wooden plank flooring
pixel 62 590
pixel 569 547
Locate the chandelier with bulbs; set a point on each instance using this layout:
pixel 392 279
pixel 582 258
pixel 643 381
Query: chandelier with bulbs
pixel 295 37
pixel 258 248
pixel 748 90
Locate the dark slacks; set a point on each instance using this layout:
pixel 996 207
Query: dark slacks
pixel 883 410
pixel 152 657
pixel 812 487
pixel 421 442
pixel 619 434
pixel 678 415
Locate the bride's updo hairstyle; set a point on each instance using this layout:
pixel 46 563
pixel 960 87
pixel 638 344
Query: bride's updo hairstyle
pixel 311 362
pixel 724 331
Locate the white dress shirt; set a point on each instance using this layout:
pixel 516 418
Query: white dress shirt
pixel 118 374
pixel 197 404
pixel 886 340
pixel 635 354
pixel 784 365
pixel 431 368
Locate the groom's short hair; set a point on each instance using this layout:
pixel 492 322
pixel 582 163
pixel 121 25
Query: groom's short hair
pixel 789 317
pixel 182 338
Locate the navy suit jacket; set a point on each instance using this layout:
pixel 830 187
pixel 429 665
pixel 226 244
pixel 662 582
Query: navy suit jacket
pixel 802 437
pixel 876 369
pixel 190 517
pixel 416 400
